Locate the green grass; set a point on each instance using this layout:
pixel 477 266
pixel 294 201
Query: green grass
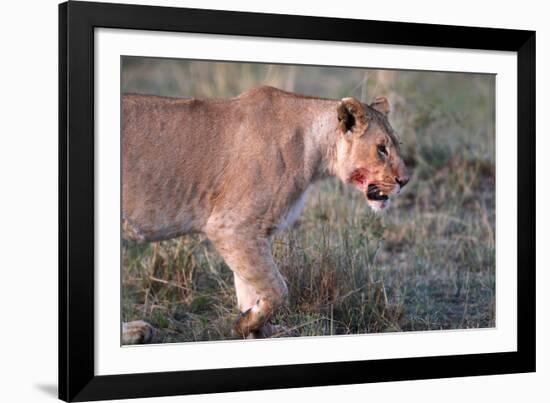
pixel 427 264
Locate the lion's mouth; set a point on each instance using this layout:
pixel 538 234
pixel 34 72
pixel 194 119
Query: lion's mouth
pixel 373 193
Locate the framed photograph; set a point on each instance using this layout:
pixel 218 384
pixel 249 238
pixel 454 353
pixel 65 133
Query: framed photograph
pixel 258 201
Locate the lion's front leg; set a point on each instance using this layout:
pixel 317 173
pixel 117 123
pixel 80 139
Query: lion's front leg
pixel 259 285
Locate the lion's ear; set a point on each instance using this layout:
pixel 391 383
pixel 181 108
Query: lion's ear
pixel 351 115
pixel 381 104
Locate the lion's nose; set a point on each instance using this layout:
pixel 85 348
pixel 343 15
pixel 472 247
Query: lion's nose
pixel 402 180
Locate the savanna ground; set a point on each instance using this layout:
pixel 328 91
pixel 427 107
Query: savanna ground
pixel 427 264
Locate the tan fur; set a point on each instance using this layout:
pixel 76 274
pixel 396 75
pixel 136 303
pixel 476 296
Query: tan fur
pixel 236 169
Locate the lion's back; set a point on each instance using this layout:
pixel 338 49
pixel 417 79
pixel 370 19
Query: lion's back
pixel 183 158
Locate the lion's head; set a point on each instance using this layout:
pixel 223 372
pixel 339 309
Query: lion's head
pixel 367 151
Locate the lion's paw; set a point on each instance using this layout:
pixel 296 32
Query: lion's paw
pixel 269 330
pixel 137 332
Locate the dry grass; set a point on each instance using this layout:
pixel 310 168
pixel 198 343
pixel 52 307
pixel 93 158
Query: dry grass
pixel 428 264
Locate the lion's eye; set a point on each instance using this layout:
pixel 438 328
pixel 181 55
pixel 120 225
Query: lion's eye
pixel 382 150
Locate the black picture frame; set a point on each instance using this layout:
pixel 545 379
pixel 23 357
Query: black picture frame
pixel 77 21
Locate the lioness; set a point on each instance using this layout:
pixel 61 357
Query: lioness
pixel 237 170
